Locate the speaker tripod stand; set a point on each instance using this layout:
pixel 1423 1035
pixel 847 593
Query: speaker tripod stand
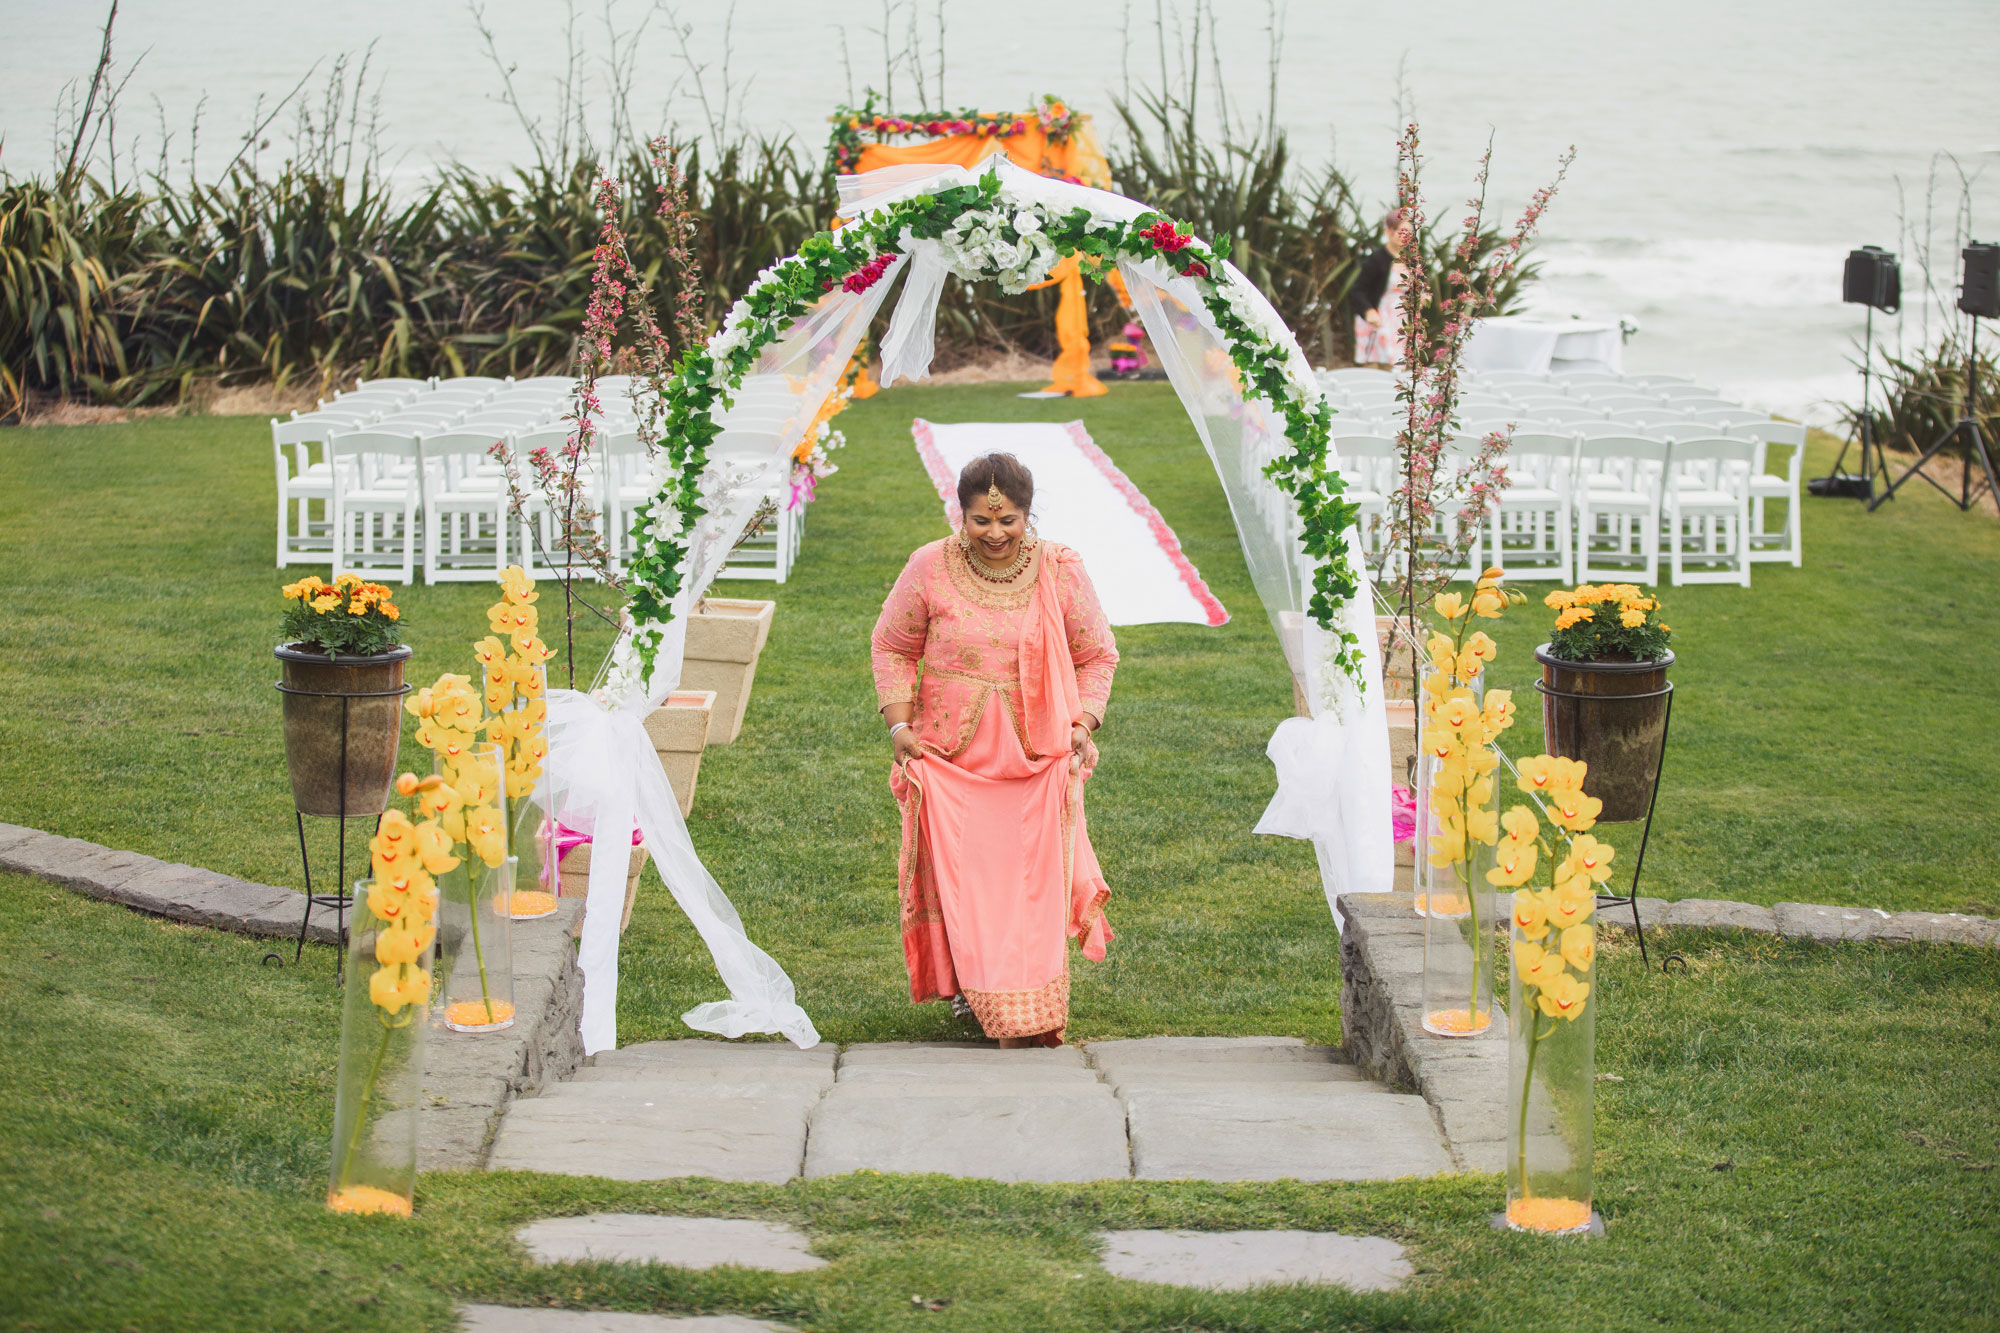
pixel 1966 432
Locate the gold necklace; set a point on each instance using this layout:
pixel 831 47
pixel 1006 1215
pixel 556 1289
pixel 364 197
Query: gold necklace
pixel 1013 570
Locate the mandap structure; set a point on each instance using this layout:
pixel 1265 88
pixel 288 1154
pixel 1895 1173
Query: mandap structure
pixel 736 406
pixel 1051 140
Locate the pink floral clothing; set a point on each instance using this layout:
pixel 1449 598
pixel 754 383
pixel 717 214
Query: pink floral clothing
pixel 996 871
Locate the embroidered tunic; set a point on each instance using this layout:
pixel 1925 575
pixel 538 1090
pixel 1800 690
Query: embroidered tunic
pixel 996 870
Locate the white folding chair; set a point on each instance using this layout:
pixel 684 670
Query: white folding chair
pixel 1677 392
pixel 1367 462
pixel 1559 414
pixel 1720 509
pixel 302 481
pixel 377 500
pixel 1788 543
pixel 564 383
pixel 1659 378
pixel 392 382
pixel 628 483
pixel 537 519
pixel 1616 402
pixel 1529 533
pixel 471 382
pixel 769 554
pixel 368 400
pixel 360 414
pixel 465 508
pixel 1618 480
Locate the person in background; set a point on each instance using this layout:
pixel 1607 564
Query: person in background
pixel 1377 298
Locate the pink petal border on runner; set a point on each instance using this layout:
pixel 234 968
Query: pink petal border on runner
pixel 946 483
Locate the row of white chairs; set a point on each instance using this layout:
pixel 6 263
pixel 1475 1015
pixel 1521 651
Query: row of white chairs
pixel 1591 505
pixel 401 473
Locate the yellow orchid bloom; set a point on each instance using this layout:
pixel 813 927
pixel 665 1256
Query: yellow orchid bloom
pixel 1448 843
pixel 1488 604
pixel 1544 971
pixel 1436 686
pixel 1499 710
pixel 1579 946
pixel 1458 711
pixel 1479 645
pixel 1442 743
pixel 1481 824
pixel 517 586
pixel 403 942
pixel 395 838
pixel 385 991
pixel 486 834
pixel 1521 824
pixel 1574 810
pixel 500 618
pixel 489 652
pixel 1449 605
pixel 1535 773
pixel 1591 858
pixel 531 683
pixel 1492 576
pixel 1482 759
pixel 1531 914
pixel 1479 791
pixel 532 652
pixel 1564 997
pixel 434 849
pixel 1515 863
pixel 1571 905
pixel 1527 953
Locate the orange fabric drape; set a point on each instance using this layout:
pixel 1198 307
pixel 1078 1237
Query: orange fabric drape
pixel 1077 158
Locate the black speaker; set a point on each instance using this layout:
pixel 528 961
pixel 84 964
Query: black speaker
pixel 1872 278
pixel 1979 294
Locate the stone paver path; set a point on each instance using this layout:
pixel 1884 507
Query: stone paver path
pixel 521 1319
pixel 683 1242
pixel 1239 1260
pixel 1199 1108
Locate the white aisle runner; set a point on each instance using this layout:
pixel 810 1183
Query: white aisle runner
pixel 1083 501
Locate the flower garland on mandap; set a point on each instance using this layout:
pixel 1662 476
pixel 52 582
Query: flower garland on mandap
pixel 1053 117
pixel 985 232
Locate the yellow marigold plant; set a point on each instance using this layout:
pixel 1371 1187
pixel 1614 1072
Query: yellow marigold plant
pixel 348 615
pixel 1607 622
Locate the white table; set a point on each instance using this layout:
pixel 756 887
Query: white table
pixel 1539 345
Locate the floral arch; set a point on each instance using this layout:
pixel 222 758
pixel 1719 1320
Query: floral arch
pixel 735 407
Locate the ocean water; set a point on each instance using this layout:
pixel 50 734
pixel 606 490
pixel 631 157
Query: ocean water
pixel 1728 153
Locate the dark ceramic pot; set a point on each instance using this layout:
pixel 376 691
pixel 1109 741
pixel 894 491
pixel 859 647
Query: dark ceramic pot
pixel 1613 717
pixel 328 699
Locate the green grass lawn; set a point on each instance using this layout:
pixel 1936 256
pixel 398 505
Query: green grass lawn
pixel 1800 1137
pixel 168 1099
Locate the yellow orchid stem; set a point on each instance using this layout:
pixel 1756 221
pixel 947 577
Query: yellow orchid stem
pixel 1535 1035
pixel 367 1096
pixel 478 955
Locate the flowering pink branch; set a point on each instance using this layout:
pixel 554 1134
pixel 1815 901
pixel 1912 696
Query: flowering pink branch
pixel 1429 379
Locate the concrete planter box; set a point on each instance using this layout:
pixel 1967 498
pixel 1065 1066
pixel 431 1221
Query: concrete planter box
pixel 576 881
pixel 724 639
pixel 679 730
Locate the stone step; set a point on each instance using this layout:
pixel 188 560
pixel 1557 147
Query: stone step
pixel 643 1088
pixel 680 1242
pixel 1206 1052
pixel 719 1054
pixel 917 1053
pixel 963 1088
pixel 1234 1075
pixel 600 1129
pixel 985 1137
pixel 701 1075
pixel 956 1071
pixel 1324 1131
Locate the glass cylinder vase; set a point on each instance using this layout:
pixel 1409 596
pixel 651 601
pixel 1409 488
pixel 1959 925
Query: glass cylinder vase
pixel 1430 824
pixel 531 849
pixel 1551 1074
pixel 378 1088
pixel 475 935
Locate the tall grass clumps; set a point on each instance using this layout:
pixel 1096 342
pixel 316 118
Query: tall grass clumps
pixel 129 287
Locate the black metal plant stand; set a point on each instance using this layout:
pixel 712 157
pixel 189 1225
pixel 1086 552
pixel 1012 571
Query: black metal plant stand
pixel 338 900
pixel 1630 898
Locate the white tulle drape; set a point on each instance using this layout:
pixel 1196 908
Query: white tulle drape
pixel 1333 768
pixel 604 771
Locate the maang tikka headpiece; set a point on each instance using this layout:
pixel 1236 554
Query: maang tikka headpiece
pixel 994 499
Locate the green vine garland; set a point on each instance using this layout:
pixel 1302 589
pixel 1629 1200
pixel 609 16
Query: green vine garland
pixel 791 288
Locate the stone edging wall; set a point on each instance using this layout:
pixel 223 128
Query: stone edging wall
pixel 468 1080
pixel 1381 995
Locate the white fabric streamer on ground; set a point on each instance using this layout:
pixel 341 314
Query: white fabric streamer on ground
pixel 1083 501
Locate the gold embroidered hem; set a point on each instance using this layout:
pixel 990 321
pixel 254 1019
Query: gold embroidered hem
pixel 1023 1013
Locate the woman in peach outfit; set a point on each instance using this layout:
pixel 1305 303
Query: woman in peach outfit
pixel 993 748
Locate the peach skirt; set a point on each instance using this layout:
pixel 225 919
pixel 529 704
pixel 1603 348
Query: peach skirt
pixel 1002 852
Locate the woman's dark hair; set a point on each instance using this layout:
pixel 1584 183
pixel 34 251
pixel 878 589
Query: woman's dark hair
pixel 1393 221
pixel 1002 470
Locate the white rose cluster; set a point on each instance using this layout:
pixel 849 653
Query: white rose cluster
pixel 978 245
